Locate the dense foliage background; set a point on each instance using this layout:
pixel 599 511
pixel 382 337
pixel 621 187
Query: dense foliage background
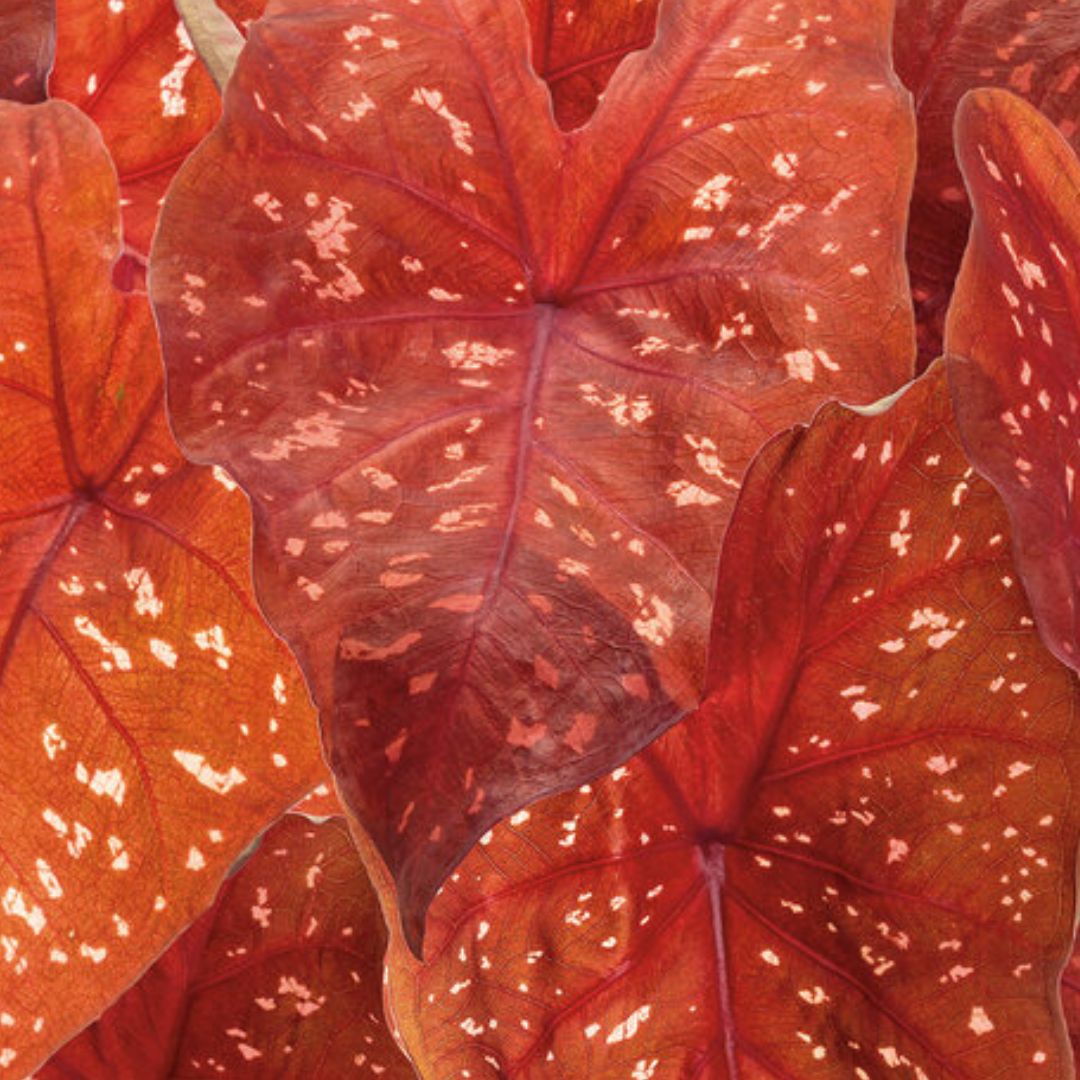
pixel 693 651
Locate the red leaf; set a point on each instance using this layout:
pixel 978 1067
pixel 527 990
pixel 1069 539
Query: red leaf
pixel 27 30
pixel 151 723
pixel 281 977
pixel 577 46
pixel 856 857
pixel 942 49
pixel 1015 321
pixel 129 65
pixel 493 387
pixel 1070 996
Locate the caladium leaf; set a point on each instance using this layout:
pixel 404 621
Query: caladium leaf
pixel 577 46
pixel 944 48
pixel 281 977
pixel 151 723
pixel 27 33
pixel 856 859
pixel 492 387
pixel 1014 327
pixel 132 67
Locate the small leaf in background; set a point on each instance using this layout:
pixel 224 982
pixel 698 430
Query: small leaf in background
pixel 281 978
pixel 944 48
pixel 1013 336
pixel 214 36
pixel 492 387
pixel 576 46
pixel 131 66
pixel 27 32
pixel 856 859
pixel 151 723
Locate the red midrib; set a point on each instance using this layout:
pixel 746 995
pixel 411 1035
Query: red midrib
pixel 529 401
pixel 714 867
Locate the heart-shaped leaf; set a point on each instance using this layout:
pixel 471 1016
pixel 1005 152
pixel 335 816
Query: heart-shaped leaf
pixel 281 977
pixel 151 723
pixel 1014 330
pixel 944 48
pixel 27 31
pixel 131 66
pixel 492 387
pixel 856 859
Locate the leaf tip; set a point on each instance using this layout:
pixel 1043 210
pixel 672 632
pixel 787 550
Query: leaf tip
pixel 214 35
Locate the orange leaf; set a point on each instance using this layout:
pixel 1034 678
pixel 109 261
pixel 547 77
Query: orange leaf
pixel 131 67
pixel 281 977
pixel 151 722
pixel 320 801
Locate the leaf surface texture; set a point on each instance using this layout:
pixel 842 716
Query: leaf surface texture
pixel 151 722
pixel 856 858
pixel 493 386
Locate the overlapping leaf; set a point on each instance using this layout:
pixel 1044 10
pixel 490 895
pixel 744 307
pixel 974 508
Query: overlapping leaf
pixel 577 46
pixel 282 977
pixel 27 30
pixel 130 65
pixel 856 859
pixel 944 48
pixel 151 724
pixel 492 387
pixel 1014 328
